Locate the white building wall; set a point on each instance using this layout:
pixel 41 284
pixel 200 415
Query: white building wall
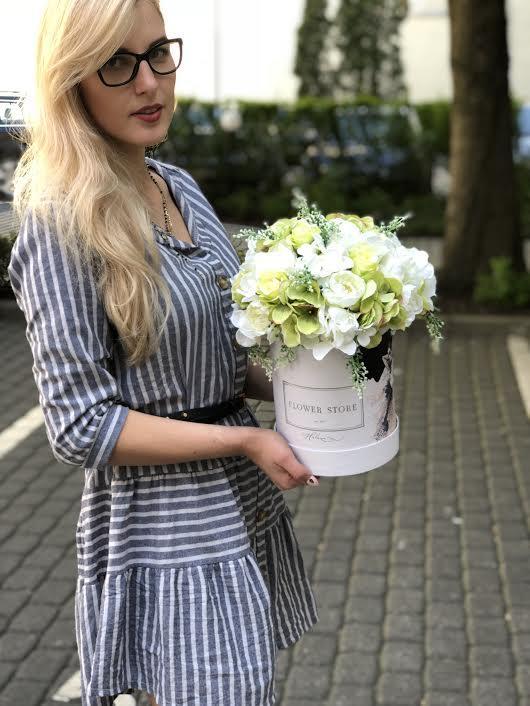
pixel 426 49
pixel 255 44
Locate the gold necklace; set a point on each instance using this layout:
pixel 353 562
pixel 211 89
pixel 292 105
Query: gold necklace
pixel 167 219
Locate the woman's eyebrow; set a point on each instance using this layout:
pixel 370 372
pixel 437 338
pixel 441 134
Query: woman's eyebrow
pixel 155 41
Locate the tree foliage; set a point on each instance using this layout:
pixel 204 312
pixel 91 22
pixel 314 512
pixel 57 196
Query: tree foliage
pixel 366 33
pixel 311 62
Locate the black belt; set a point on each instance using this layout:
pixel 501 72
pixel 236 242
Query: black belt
pixel 208 415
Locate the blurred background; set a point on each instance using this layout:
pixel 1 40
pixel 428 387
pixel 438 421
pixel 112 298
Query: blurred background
pixel 377 107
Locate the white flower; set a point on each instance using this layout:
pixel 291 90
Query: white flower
pixel 332 259
pixel 343 289
pixel 279 258
pixel 252 323
pixel 246 286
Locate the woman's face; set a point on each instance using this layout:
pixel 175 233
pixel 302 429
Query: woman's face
pixel 113 108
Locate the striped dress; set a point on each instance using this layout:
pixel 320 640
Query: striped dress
pixel 186 588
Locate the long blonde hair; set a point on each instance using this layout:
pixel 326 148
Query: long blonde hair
pixel 71 174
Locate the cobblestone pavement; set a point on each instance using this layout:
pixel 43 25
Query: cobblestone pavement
pixel 421 568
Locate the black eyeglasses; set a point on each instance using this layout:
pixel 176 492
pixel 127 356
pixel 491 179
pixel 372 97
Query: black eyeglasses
pixel 164 57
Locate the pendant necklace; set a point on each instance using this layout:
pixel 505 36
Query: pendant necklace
pixel 167 218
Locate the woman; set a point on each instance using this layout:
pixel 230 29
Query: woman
pixel 190 575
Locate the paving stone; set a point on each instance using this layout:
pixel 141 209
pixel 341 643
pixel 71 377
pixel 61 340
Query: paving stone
pixel 20 543
pixel 9 564
pixel 33 618
pixel 356 668
pixel 43 557
pixel 445 590
pixel 304 682
pixel 349 694
pixel 487 660
pixel 315 649
pixel 367 585
pixel 519 619
pixel 7 669
pixel 400 600
pixel 11 601
pixel 518 594
pixel 488 631
pixel 360 637
pixel 523 678
pixel 60 634
pixel 336 549
pixel 53 592
pixel 23 692
pixel 366 563
pixel 400 626
pixel 444 567
pixel 478 578
pixel 402 657
pixel 362 609
pixel 407 556
pixel 521 646
pixel 328 593
pixel 449 643
pixel 482 559
pixel 493 692
pixel 488 604
pixel 24 577
pixel 66 568
pixel 330 620
pixel 516 572
pixel 43 662
pixel 376 525
pixel 406 577
pixel 333 571
pixel 14 646
pixel 443 674
pixel 373 543
pixel 445 698
pixel 445 615
pixel 399 689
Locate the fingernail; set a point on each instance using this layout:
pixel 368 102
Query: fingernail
pixel 312 480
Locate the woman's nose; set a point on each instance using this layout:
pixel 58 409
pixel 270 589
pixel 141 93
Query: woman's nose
pixel 145 78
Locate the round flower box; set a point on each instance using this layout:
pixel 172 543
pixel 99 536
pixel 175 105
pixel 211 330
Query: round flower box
pixel 330 428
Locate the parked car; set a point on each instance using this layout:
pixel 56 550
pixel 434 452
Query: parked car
pixel 11 119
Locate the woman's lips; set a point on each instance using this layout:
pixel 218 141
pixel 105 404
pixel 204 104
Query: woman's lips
pixel 149 117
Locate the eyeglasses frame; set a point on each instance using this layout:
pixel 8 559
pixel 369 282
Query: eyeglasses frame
pixel 139 58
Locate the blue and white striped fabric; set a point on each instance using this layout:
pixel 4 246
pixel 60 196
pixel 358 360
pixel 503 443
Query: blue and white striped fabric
pixel 183 589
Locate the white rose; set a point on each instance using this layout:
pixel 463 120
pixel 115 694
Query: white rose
pixel 343 289
pixel 251 323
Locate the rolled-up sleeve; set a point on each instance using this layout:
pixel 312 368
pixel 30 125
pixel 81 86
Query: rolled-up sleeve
pixel 72 346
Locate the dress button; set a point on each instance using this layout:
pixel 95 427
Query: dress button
pixel 223 282
pixel 262 514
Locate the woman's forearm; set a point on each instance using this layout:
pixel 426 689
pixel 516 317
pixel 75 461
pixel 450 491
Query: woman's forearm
pixel 147 439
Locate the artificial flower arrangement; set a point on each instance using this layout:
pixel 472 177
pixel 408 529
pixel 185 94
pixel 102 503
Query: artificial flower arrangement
pixel 329 282
pixel 316 301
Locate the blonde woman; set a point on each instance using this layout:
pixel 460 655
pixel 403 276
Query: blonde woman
pixel 190 576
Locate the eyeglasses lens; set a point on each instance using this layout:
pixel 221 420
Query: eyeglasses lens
pixel 163 59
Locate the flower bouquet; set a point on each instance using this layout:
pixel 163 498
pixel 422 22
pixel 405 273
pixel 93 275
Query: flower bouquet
pixel 317 301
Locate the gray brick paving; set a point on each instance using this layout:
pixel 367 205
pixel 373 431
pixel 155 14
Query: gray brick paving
pixel 421 569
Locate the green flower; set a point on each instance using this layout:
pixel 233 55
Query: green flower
pixel 364 223
pixel 303 232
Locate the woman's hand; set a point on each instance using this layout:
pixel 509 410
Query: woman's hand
pixel 271 452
